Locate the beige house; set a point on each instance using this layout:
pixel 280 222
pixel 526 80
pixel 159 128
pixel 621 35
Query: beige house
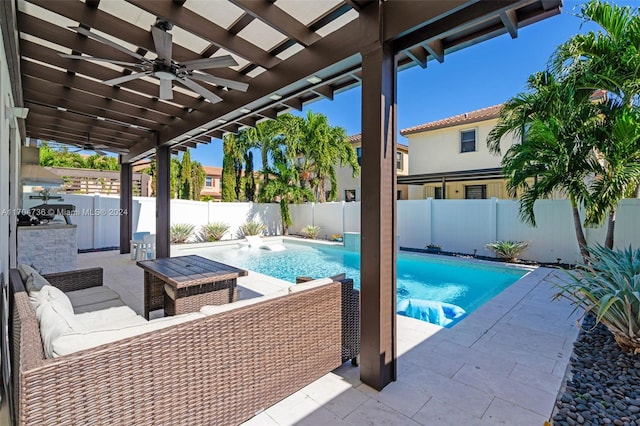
pixel 450 158
pixel 349 187
pixel 212 183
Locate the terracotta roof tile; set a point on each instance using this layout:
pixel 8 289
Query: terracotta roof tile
pixel 468 117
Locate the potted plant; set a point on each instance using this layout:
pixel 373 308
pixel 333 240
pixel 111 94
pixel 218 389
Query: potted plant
pixel 433 248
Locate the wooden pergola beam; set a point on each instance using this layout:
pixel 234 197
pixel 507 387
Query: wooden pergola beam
pixel 279 20
pixel 202 27
pixel 510 21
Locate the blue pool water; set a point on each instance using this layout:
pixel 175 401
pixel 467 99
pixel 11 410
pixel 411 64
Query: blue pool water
pixel 465 284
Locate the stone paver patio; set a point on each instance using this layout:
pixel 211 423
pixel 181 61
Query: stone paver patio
pixel 502 365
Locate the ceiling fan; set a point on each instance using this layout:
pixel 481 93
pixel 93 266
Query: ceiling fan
pixel 163 67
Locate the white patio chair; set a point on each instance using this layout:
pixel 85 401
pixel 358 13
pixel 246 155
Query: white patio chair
pixel 136 242
pixel 147 250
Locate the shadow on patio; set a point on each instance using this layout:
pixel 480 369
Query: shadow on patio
pixel 503 364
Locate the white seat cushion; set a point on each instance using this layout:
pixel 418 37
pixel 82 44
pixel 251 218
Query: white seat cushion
pixel 69 343
pixel 309 284
pixel 110 318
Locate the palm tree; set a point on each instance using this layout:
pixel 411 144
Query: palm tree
pixel 283 188
pixel 323 147
pixel 555 123
pixel 618 176
pixel 609 60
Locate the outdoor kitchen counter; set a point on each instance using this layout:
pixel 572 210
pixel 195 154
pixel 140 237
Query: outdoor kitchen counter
pixel 48 248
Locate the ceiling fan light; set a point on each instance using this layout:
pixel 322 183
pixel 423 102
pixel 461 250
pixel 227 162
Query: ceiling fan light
pixel 165 75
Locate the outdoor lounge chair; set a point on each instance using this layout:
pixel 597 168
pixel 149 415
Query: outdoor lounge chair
pixel 195 372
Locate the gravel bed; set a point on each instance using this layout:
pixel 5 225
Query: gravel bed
pixel 603 382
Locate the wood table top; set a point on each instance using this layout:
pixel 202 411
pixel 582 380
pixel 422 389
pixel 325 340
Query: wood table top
pixel 185 271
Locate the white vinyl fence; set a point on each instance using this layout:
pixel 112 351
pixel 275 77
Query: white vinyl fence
pixel 463 226
pixel 98 220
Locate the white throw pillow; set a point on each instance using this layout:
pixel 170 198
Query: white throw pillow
pixel 50 294
pixel 55 321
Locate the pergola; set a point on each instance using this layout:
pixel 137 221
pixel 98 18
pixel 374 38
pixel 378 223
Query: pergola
pixel 289 52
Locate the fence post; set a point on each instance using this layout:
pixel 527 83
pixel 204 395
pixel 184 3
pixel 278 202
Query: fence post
pixel 343 220
pixel 97 204
pixel 428 217
pixel 493 230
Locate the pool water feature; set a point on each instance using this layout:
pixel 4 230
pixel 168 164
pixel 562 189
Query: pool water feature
pixel 462 283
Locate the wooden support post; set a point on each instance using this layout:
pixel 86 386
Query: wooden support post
pixel 163 201
pixel 126 206
pixel 378 217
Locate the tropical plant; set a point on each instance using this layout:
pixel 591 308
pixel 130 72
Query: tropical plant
pixel 555 122
pixel 213 231
pixel 609 60
pixel 180 232
pixel 509 250
pixel 228 174
pixel 311 231
pixel 251 227
pixel 608 288
pixel 323 148
pixel 283 188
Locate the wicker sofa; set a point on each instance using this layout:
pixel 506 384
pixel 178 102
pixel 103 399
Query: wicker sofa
pixel 220 369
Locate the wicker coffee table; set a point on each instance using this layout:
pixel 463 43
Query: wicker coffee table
pixel 193 282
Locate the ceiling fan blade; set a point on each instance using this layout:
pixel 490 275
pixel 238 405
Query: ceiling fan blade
pixel 163 44
pixel 166 89
pixel 213 98
pixel 108 42
pixel 220 81
pixel 125 78
pixel 207 63
pixel 91 58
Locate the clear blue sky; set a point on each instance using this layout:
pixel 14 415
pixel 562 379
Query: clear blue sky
pixel 486 74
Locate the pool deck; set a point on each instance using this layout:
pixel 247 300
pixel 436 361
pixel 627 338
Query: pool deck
pixel 502 365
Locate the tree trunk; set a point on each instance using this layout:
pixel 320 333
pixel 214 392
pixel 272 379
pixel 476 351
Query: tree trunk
pixel 608 241
pixel 582 241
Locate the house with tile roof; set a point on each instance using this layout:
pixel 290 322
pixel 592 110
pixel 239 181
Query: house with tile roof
pixel 349 188
pixel 450 159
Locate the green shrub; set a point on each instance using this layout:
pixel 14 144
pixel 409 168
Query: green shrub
pixel 252 227
pixel 180 232
pixel 509 250
pixel 212 231
pixel 311 231
pixel 608 287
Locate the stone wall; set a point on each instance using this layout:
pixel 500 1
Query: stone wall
pixel 48 248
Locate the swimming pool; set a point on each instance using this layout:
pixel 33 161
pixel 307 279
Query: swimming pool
pixel 462 283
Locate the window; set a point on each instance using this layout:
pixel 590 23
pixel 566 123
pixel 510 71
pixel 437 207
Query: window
pixel 208 181
pixel 359 154
pixel 437 193
pixel 349 194
pixel 475 192
pixel 399 160
pixel 468 140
